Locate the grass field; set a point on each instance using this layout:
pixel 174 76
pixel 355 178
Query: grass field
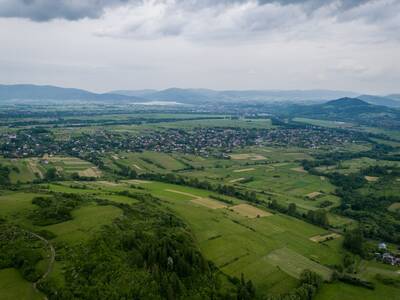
pixel 147 161
pixel 356 164
pixel 266 176
pixel 23 170
pixel 86 221
pixel 271 250
pixel 13 286
pixel 293 263
pixel 69 165
pixel 238 244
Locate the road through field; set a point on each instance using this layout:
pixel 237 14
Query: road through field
pixel 51 262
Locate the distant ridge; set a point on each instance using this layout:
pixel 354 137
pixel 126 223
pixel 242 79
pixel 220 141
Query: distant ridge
pixel 389 101
pixel 208 95
pixel 47 92
pixel 346 101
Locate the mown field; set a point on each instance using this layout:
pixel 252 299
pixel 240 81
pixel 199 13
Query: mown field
pixel 271 249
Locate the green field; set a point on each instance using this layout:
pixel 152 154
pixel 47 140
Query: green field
pixel 13 286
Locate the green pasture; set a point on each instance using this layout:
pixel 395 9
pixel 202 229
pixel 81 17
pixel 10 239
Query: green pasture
pixel 238 244
pixel 85 221
pixel 13 286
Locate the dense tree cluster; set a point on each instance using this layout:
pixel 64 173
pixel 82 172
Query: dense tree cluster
pixel 54 209
pixel 147 254
pixel 4 175
pixel 20 250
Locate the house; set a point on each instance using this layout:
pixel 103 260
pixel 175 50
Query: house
pixel 382 246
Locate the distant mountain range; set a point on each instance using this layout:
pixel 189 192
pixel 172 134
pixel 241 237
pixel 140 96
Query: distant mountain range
pixel 36 92
pixel 206 95
pixel 28 92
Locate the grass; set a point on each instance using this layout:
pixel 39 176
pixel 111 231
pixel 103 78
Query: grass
pixel 343 291
pixel 20 170
pixel 238 244
pixel 86 220
pixel 13 286
pixel 293 263
pixel 356 164
pixel 15 207
pixel 147 161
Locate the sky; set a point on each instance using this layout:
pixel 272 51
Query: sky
pixel 104 45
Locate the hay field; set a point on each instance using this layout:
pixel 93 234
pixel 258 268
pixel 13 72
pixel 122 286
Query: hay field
pixel 325 237
pixel 313 195
pixel 203 201
pixel 250 211
pixel 244 170
pixel 247 156
pixel 209 203
pixel 293 263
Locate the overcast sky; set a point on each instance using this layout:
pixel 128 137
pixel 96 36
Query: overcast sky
pixel 103 45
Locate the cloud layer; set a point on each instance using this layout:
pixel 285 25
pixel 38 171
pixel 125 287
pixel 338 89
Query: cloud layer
pixel 113 44
pixel 206 20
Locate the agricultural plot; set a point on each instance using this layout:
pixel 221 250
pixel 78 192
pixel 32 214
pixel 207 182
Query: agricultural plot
pixel 238 243
pixel 69 165
pixel 325 237
pixel 250 211
pixel 226 122
pixel 147 161
pixel 247 156
pixel 293 263
pixel 355 165
pixel 23 170
pixel 209 203
pixel 206 202
pixel 244 170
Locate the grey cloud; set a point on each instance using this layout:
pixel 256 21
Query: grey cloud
pixel 44 10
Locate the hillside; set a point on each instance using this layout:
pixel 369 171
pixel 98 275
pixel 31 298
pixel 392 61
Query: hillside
pixel 389 101
pixel 351 110
pixel 36 92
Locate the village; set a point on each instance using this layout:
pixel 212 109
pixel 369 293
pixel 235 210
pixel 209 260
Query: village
pixel 200 141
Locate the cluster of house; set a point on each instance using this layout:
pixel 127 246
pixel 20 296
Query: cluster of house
pixel 200 141
pixel 387 257
pixel 309 137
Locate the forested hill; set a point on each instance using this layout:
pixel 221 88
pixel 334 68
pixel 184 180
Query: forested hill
pixel 351 110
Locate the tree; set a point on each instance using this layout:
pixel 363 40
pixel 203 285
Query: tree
pixel 292 209
pixel 51 174
pixel 354 241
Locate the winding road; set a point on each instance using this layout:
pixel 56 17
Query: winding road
pixel 51 262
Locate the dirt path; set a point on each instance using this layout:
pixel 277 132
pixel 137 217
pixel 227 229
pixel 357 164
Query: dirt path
pixel 51 262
